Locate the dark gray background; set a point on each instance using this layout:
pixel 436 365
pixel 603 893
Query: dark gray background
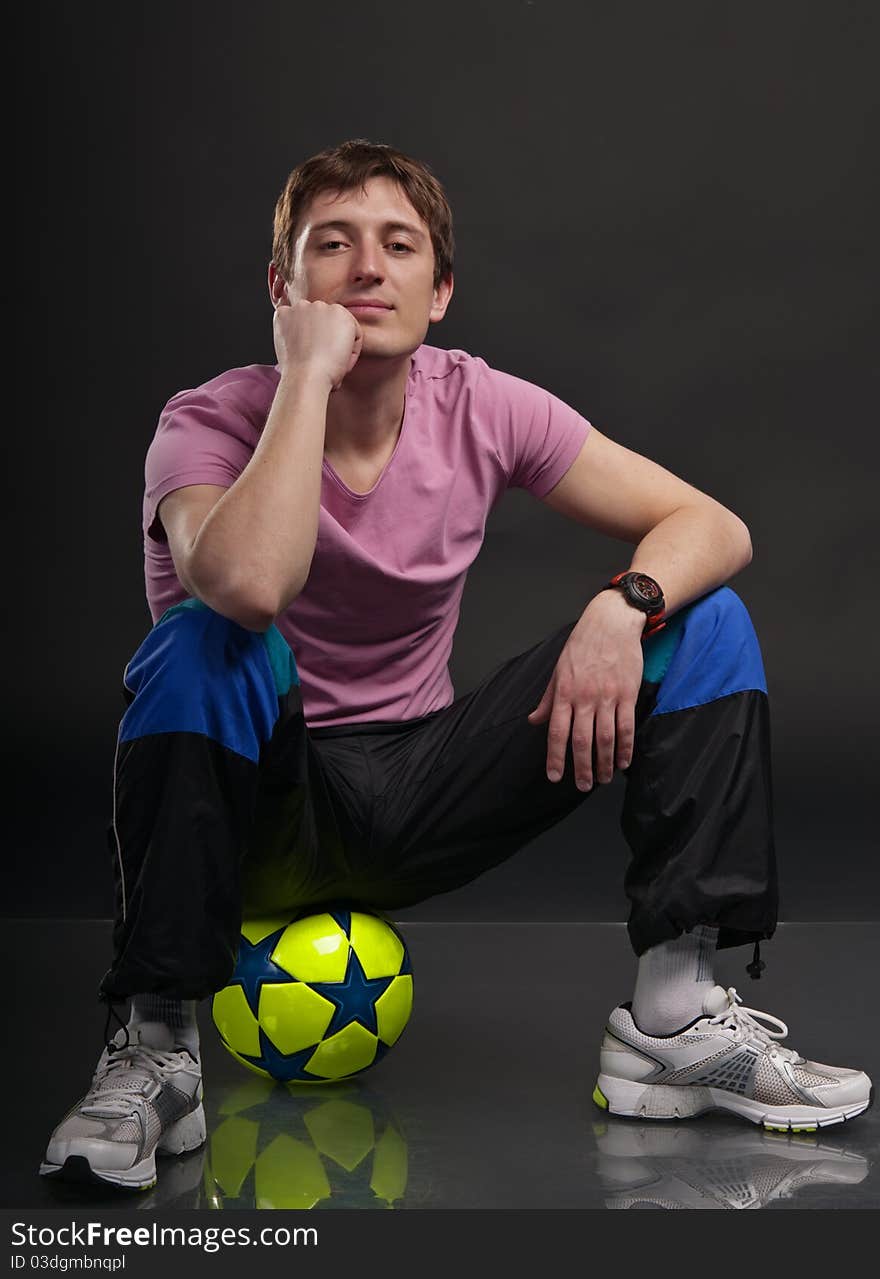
pixel 665 214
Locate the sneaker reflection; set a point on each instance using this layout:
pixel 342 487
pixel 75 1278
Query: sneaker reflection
pixel 179 1184
pixel 290 1146
pixel 649 1166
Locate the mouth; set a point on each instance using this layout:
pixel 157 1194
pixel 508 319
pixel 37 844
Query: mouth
pixel 366 307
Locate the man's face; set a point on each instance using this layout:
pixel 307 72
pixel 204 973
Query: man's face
pixel 369 246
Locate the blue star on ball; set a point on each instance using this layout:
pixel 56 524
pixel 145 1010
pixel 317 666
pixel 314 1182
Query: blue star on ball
pixel 354 997
pixel 255 966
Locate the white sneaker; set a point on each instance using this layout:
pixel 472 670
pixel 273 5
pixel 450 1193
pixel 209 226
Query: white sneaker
pixel 142 1099
pixel 725 1060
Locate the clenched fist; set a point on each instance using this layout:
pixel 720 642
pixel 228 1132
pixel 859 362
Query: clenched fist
pixel 317 337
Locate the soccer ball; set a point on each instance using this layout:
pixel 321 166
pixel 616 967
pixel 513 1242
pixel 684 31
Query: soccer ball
pixel 316 998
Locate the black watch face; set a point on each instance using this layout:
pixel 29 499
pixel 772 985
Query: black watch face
pixel 646 589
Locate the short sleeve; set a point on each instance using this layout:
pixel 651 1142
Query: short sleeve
pixel 539 434
pixel 201 439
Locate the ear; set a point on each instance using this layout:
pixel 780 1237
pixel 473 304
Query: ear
pixel 442 298
pixel 277 286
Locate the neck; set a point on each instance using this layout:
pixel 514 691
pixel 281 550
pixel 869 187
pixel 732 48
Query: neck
pixel 364 416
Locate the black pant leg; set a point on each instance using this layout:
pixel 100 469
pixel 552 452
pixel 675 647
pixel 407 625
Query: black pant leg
pixel 471 788
pixel 205 699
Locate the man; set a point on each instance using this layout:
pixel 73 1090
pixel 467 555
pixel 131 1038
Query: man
pixel 292 737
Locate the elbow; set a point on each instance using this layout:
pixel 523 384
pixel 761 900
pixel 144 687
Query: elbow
pixel 256 610
pixel 253 610
pixel 246 608
pixel 261 610
pixel 252 603
pixel 742 540
pixel 289 595
pixel 251 614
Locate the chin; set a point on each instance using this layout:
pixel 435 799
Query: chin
pixel 386 349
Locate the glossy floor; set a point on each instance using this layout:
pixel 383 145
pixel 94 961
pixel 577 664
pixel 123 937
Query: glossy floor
pixel 485 1100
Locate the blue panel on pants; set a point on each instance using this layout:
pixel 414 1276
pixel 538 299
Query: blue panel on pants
pixel 198 672
pixel 708 650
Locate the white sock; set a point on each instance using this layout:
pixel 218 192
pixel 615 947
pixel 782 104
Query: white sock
pixel 164 1022
pixel 673 980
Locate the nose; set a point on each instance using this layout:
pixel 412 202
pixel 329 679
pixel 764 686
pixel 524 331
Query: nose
pixel 366 263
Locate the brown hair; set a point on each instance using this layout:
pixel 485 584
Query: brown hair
pixel 348 166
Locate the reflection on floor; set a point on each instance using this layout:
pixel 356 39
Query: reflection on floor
pixel 649 1166
pixel 267 1150
pixel 279 1146
pixel 485 1100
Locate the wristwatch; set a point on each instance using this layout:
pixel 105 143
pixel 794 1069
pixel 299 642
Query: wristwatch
pixel 644 594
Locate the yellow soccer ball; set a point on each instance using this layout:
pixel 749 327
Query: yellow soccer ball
pixel 316 998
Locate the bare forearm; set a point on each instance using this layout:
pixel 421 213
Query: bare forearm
pixel 693 551
pixel 257 542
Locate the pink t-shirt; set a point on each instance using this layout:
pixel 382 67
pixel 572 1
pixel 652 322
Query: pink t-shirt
pixel 372 629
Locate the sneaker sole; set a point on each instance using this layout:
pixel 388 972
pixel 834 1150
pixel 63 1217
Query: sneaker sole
pixel 187 1134
pixel 665 1101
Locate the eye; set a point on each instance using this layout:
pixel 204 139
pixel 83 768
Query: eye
pixel 398 244
pixel 329 243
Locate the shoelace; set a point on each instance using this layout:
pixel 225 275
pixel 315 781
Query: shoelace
pixel 741 1019
pixel 123 1078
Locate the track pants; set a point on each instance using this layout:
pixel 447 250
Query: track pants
pixel 226 803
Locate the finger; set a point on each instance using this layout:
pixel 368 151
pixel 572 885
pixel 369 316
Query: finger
pixel 582 747
pixel 557 738
pixel 355 354
pixel 626 732
pixel 542 710
pixel 604 733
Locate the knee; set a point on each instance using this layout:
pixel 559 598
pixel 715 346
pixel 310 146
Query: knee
pixel 191 646
pixel 725 609
pixel 711 651
pixel 198 671
pixel 218 640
